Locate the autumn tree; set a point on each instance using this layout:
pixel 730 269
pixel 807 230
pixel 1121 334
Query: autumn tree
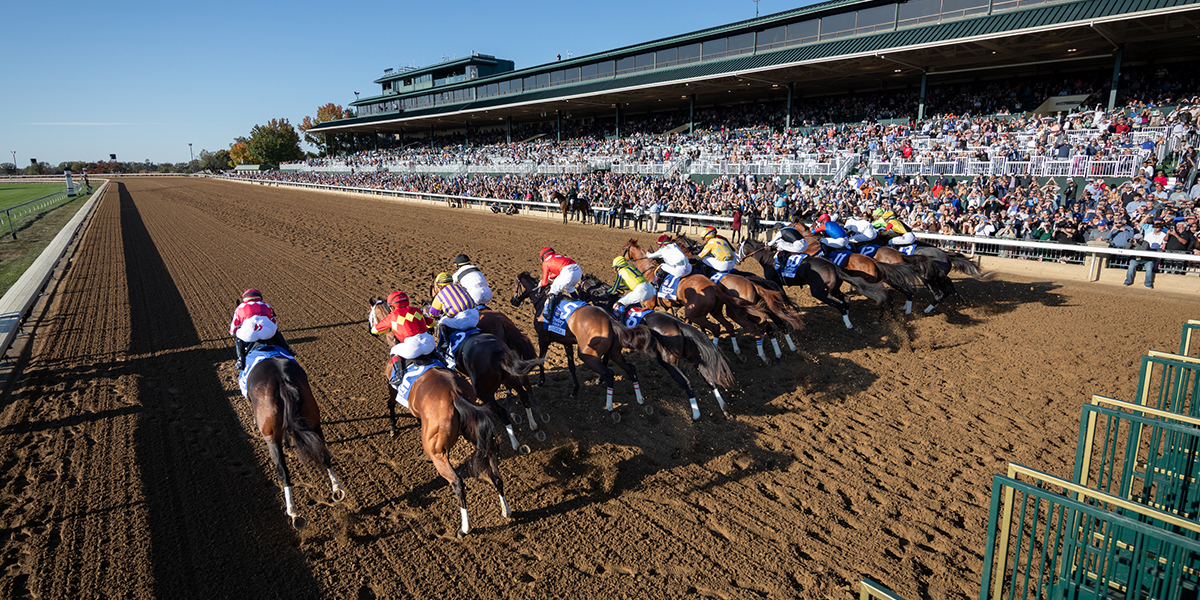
pixel 326 143
pixel 239 154
pixel 274 143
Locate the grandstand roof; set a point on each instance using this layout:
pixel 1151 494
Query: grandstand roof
pixel 1061 35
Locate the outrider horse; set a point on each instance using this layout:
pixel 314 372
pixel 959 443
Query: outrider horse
pixel 282 404
pixel 701 299
pixel 600 340
pixel 677 341
pixel 823 278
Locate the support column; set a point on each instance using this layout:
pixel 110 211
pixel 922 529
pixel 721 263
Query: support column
pixel 1112 94
pixel 377 141
pixel 558 124
pixel 691 114
pixel 431 135
pixel 618 121
pixel 787 119
pixel 921 102
pixel 401 139
pixel 508 129
pixel 467 133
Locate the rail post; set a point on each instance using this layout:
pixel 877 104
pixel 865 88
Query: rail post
pixel 11 230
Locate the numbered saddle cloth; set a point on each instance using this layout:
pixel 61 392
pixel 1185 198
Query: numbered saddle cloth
pixel 259 354
pixel 410 377
pixel 635 315
pixel 907 250
pixel 718 276
pixel 669 287
pixel 562 312
pixel 789 269
pixel 837 257
pixel 456 340
pixel 868 250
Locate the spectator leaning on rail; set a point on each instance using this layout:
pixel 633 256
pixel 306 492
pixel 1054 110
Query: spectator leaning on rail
pixel 254 322
pixel 1152 238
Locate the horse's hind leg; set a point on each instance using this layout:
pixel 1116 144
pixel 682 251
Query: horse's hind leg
pixel 312 415
pixel 683 382
pixel 441 462
pixel 275 448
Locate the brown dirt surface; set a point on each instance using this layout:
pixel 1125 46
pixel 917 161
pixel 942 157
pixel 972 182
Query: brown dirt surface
pixel 129 466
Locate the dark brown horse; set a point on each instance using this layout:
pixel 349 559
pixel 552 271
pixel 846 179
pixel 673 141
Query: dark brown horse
pixel 600 340
pixel 565 205
pixel 700 299
pixel 282 404
pixel 677 342
pixel 445 404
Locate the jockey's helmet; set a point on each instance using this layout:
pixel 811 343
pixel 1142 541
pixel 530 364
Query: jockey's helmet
pixel 444 279
pixel 397 298
pixel 878 212
pixel 251 294
pixel 823 219
pixel 710 232
pixel 664 238
pixel 461 260
pixel 546 253
pixel 779 225
pixel 888 214
pixel 620 262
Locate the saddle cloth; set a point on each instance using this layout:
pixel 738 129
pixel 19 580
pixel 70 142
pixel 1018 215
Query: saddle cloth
pixel 907 250
pixel 256 356
pixel 837 257
pixel 410 377
pixel 457 338
pixel 635 316
pixel 788 270
pixel 669 287
pixel 868 250
pixel 718 276
pixel 562 312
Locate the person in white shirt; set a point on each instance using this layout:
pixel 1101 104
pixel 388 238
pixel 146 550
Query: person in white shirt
pixel 470 277
pixel 675 262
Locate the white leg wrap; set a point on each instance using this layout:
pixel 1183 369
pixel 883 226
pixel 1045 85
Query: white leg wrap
pixel 505 511
pixel 720 400
pixel 637 391
pixel 908 307
pixel 333 479
pixel 695 408
pixel 715 343
pixel 846 319
pixel 608 401
pixel 466 523
pixel 778 352
pixel 287 501
pixel 929 309
pixel 791 344
pixel 532 421
pixel 761 353
pixel 512 437
pixel 736 348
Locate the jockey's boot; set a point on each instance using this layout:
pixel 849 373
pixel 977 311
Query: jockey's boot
pixel 240 348
pixel 399 366
pixel 620 311
pixel 551 305
pixel 443 340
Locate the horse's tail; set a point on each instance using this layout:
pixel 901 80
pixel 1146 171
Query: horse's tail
pixel 757 309
pixel 713 366
pixel 514 365
pixel 959 262
pixel 639 338
pixel 777 303
pixel 292 383
pixel 476 422
pixel 901 277
pixel 873 291
pixel 925 266
pixel 764 283
pixel 517 340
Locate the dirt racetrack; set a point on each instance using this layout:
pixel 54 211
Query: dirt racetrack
pixel 128 467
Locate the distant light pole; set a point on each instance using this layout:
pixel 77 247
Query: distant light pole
pixel 756 8
pixel 190 151
pixel 14 159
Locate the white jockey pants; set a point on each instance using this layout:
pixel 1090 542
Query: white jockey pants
pixel 678 270
pixel 641 293
pixel 903 240
pixel 567 279
pixel 414 346
pixel 835 243
pixel 720 265
pixel 461 321
pixel 255 329
pixel 862 238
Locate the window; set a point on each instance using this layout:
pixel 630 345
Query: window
pixel 543 80
pixel 644 62
pixel 625 65
pixel 917 12
pixel 607 68
pixel 804 32
pixel 666 58
pixel 689 53
pixel 557 77
pixel 880 18
pixel 836 26
pixel 530 83
pixel 741 44
pixel 588 72
pixel 957 9
pixel 772 38
pixel 572 75
pixel 714 49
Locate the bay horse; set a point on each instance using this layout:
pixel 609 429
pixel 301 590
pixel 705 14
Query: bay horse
pixel 823 278
pixel 677 341
pixel 443 401
pixel 564 204
pixel 700 299
pixel 282 403
pixel 600 340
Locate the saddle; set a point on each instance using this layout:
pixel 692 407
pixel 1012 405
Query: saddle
pixel 256 354
pixel 562 312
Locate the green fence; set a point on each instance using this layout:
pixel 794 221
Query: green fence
pixel 36 206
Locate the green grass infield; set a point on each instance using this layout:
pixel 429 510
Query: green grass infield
pixel 34 232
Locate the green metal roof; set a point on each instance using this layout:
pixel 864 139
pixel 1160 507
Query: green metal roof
pixel 474 59
pixel 985 25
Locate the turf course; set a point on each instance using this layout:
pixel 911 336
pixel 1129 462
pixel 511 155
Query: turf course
pixel 34 232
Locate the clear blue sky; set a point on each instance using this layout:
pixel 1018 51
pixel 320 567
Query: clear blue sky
pixel 143 79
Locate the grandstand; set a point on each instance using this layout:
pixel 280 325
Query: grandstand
pixel 827 51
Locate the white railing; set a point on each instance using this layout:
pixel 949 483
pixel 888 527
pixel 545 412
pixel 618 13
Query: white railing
pixel 1038 166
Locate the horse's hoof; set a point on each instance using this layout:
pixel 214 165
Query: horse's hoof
pixel 526 450
pixel 615 416
pixel 646 408
pixel 539 435
pixel 338 495
pixel 299 522
pixel 392 432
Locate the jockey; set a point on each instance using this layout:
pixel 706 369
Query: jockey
pixel 469 276
pixel 896 231
pixel 835 235
pixel 411 331
pixel 675 262
pixel 787 241
pixel 254 321
pixel 717 253
pixel 861 231
pixel 565 274
pixel 454 308
pixel 629 278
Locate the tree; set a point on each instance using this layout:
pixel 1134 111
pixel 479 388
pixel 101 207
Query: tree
pixel 239 154
pixel 214 161
pixel 274 143
pixel 326 143
pixel 8 168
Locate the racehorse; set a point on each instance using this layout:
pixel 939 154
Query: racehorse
pixel 444 403
pixel 600 340
pixel 282 403
pixel 489 362
pixel 701 299
pixel 751 287
pixel 565 204
pixel 677 341
pixel 823 278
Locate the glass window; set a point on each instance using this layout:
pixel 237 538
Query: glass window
pixel 493 89
pixel 607 68
pixel 572 75
pixel 543 80
pixel 880 18
pixel 644 62
pixel 666 58
pixel 502 88
pixel 530 83
pixel 689 53
pixel 625 65
pixel 916 12
pixel 714 49
pixel 741 44
pixel 588 72
pixel 956 9
pixel 803 32
pixel 772 38
pixel 836 26
pixel 557 77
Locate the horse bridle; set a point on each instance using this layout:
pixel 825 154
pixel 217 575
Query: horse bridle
pixel 625 254
pixel 741 251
